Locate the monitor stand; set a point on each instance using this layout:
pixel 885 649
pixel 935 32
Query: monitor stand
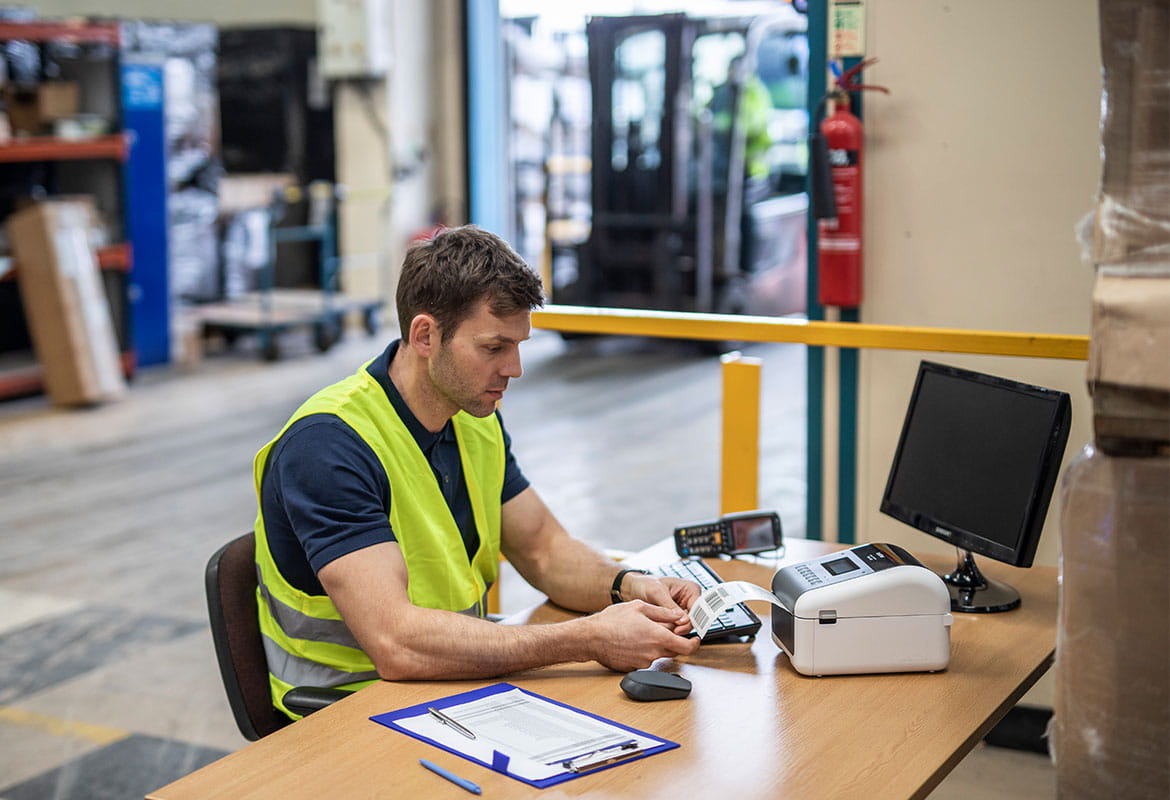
pixel 975 594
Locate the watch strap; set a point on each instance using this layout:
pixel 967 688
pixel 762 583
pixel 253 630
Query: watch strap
pixel 615 592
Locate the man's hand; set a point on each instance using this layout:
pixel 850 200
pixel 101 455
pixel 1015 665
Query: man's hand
pixel 673 594
pixel 632 635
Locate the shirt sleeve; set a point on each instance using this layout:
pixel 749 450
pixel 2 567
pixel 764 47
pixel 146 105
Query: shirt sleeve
pixel 330 489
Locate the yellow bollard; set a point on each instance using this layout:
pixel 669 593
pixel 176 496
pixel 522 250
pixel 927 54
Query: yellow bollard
pixel 493 595
pixel 741 434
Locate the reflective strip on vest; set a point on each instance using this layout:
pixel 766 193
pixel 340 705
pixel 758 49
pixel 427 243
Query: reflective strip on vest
pixel 297 671
pixel 301 626
pixel 334 631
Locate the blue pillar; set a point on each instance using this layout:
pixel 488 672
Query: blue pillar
pixel 145 185
pixel 818 37
pixel 848 373
pixel 487 122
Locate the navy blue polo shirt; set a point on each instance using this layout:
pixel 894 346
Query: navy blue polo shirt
pixel 325 494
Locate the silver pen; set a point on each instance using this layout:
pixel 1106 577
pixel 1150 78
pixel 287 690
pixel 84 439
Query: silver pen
pixel 443 718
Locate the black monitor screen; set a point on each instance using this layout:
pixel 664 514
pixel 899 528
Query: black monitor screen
pixel 977 461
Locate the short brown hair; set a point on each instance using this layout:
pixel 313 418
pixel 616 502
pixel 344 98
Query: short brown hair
pixel 448 275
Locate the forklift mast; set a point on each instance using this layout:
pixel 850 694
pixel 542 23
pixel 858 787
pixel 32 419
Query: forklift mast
pixel 673 193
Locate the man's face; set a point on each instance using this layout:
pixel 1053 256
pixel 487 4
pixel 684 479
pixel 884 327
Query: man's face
pixel 471 370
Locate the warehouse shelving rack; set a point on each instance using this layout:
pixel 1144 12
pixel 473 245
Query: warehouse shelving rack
pixel 20 374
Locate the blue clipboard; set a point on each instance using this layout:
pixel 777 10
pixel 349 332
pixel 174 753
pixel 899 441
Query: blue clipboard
pixel 500 761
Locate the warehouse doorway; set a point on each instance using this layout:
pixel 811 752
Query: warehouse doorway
pixel 701 112
pixel 536 190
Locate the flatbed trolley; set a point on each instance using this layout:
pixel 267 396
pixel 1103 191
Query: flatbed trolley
pixel 269 312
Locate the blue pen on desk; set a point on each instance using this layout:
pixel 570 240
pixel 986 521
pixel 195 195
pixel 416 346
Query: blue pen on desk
pixel 455 779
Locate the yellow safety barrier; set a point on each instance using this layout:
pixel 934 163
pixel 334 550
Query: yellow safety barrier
pixel 720 327
pixel 741 377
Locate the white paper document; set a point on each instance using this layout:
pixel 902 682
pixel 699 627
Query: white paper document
pixel 539 736
pixel 723 596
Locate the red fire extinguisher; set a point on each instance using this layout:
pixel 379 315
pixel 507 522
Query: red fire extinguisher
pixel 839 232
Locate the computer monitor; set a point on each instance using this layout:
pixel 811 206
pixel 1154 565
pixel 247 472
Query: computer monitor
pixel 975 466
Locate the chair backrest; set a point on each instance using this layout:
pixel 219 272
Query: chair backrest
pixel 231 604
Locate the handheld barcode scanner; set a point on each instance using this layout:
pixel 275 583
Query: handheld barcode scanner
pixel 872 608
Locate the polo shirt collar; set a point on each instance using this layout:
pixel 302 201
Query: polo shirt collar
pixel 379 369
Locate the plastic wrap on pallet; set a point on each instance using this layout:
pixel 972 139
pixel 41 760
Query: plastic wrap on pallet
pixel 1131 221
pixel 193 245
pixel 166 37
pixel 246 250
pixel 192 100
pixel 1112 711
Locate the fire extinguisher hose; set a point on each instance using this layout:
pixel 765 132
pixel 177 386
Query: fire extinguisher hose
pixel 824 200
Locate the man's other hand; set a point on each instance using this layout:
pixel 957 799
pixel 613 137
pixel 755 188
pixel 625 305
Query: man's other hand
pixel 632 635
pixel 673 594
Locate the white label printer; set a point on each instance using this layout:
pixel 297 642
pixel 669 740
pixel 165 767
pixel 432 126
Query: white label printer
pixel 872 608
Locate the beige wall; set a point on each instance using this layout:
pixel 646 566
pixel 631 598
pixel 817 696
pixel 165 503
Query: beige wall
pixel 979 166
pixel 400 145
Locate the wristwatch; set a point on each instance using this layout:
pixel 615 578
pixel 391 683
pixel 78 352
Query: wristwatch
pixel 615 592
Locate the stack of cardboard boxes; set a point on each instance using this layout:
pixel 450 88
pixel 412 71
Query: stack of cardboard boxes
pixel 32 110
pixel 1111 724
pixel 66 307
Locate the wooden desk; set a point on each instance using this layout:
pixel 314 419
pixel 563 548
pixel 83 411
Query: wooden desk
pixel 752 728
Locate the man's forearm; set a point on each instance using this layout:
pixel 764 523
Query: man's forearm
pixel 570 573
pixel 423 644
pixel 437 645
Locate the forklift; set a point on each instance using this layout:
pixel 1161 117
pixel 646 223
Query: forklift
pixel 698 185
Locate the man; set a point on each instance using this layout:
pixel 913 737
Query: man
pixel 744 93
pixel 387 498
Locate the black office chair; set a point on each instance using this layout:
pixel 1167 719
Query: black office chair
pixel 230 580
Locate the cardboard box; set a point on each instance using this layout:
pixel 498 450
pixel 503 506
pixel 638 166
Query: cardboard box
pixel 1129 364
pixel 1132 222
pixel 64 302
pixel 32 110
pixel 1110 732
pixel 1129 353
pixel 245 192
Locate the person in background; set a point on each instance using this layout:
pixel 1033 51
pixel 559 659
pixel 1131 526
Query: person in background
pixel 386 499
pixel 745 93
pixel 742 87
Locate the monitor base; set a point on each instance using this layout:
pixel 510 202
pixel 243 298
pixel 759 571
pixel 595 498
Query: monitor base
pixel 990 599
pixel 972 593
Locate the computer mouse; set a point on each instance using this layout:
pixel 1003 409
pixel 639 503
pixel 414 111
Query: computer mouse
pixel 650 684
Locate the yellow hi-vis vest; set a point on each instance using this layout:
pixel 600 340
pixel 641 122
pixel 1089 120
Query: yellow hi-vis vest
pixel 305 640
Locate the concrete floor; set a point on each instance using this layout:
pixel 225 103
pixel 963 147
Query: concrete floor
pixel 108 682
